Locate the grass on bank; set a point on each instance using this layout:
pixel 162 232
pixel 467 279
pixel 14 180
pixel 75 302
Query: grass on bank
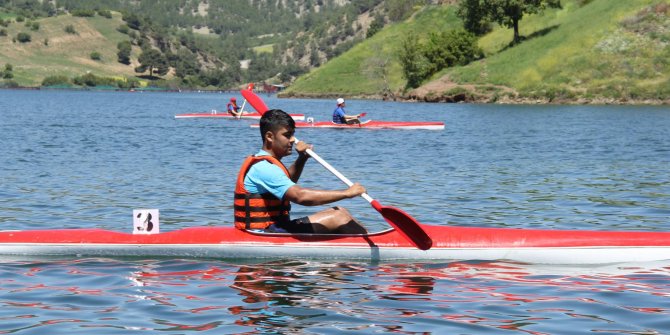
pixel 52 51
pixel 600 49
pixel 579 52
pixel 372 66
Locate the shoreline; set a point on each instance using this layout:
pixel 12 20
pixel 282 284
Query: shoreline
pixel 459 98
pixel 504 100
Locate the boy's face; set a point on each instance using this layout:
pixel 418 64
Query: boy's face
pixel 281 141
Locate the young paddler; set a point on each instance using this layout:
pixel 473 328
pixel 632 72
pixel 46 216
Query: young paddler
pixel 266 188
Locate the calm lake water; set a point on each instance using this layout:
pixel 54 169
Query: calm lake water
pixel 87 159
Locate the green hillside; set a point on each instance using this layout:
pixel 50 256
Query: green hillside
pixel 203 44
pixel 601 51
pixel 371 68
pixel 52 51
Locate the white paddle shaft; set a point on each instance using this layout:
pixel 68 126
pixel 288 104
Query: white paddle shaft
pixel 334 171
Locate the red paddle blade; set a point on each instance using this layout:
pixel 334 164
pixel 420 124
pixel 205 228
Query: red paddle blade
pixel 255 101
pixel 406 225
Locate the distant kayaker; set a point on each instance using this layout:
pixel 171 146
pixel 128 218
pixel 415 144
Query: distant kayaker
pixel 233 109
pixel 339 116
pixel 265 187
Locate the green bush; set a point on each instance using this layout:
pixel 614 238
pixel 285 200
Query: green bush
pixel 105 13
pixel 9 84
pixel 133 21
pixel 92 80
pixel 32 25
pixel 56 81
pixel 83 13
pixel 96 56
pixel 446 49
pixel 23 37
pixel 451 48
pixel 123 54
pixel 413 61
pixel 128 83
pixel 70 29
pixel 88 79
pixel 123 29
pixel 376 25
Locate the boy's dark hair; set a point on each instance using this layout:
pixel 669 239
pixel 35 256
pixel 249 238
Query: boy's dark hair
pixel 275 119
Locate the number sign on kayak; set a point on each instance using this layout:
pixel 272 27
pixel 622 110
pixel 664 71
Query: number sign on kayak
pixel 145 221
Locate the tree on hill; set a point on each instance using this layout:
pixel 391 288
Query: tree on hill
pixel 474 17
pixel 233 29
pixel 420 60
pixel 124 52
pixel 23 37
pixel 8 72
pixel 505 12
pixel 399 10
pixel 185 63
pixel 154 61
pixel 413 61
pixel 133 21
pixel 376 25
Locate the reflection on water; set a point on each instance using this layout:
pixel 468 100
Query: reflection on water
pixel 316 297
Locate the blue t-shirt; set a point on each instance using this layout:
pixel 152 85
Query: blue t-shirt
pixel 338 115
pixel 264 177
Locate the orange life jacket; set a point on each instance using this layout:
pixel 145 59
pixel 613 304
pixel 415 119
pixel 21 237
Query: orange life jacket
pixel 258 211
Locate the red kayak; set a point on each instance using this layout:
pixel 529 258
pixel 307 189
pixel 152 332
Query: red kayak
pixel 225 115
pixel 257 103
pixel 449 243
pixel 372 124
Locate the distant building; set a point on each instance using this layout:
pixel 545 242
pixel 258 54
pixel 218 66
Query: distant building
pixel 273 88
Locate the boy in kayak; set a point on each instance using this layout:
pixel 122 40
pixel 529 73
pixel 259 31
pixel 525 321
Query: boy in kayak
pixel 233 109
pixel 339 116
pixel 265 187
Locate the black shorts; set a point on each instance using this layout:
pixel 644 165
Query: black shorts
pixel 296 226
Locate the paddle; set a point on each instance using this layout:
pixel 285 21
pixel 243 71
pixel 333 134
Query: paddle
pixel 250 87
pixel 242 108
pixel 406 225
pixel 255 101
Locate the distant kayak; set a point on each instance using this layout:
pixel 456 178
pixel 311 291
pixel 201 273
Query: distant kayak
pixel 257 103
pixel 214 114
pixel 372 124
